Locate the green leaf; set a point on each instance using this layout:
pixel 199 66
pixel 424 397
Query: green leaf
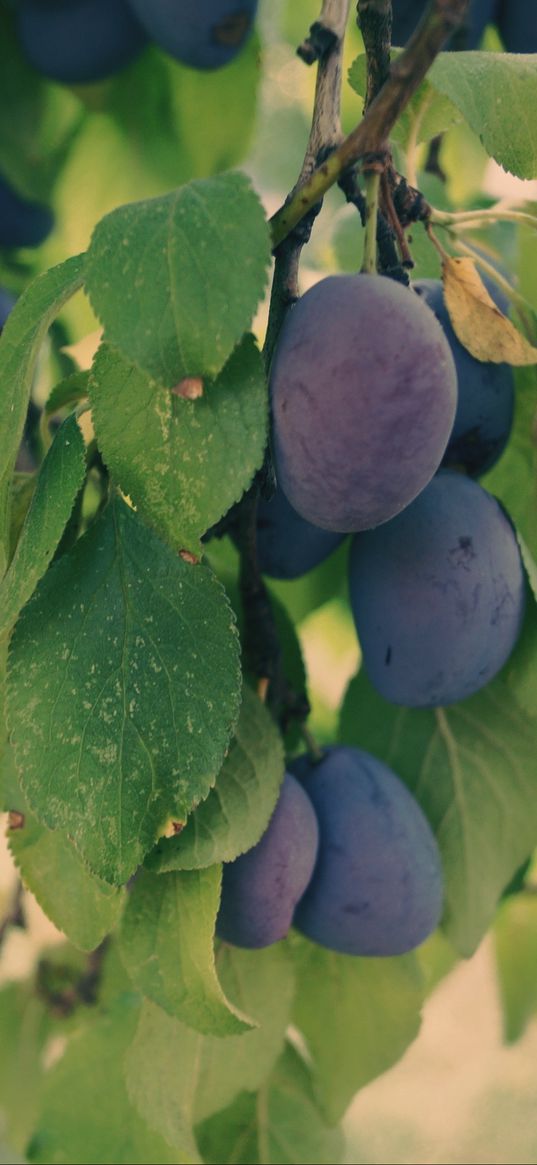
pixel 78 903
pixel 225 103
pixel 38 121
pixel 26 1026
pixel 86 1114
pixel 176 280
pixel 472 81
pixel 166 942
pixel 515 940
pixel 374 1007
pixel 22 336
pixel 231 1137
pixel 8 776
pixel 467 85
pixel 139 138
pixel 281 1125
pixel 58 483
pixel 183 462
pixel 514 478
pixel 177 1077
pixel 123 693
pixel 238 809
pixel 22 490
pixel 150 106
pixel 4 644
pixel 530 565
pixel 67 392
pixel 428 113
pixel 160 1074
pixel 436 959
pixel 262 984
pixel 471 766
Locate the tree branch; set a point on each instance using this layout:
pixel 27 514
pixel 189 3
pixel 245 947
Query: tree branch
pixel 370 136
pixel 375 21
pixel 325 133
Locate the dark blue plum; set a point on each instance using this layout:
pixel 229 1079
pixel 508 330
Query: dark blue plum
pixel 204 34
pixel 7 301
pixel 287 545
pixel 485 406
pixel 407 13
pixel 77 41
pixel 260 890
pixel 22 223
pixel 517 22
pixel 364 392
pixel 438 595
pixel 377 886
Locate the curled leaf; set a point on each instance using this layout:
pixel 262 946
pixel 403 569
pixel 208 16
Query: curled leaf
pixel 477 322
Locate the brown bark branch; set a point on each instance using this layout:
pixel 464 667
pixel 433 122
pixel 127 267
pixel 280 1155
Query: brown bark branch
pixel 375 21
pixel 370 136
pixel 325 133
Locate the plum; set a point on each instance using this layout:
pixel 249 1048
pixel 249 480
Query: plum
pixel 438 595
pixel 22 223
pixel 364 392
pixel 407 13
pixel 485 406
pixel 262 887
pixel 204 34
pixel 377 885
pixel 517 22
pixel 76 41
pixel 7 302
pixel 287 545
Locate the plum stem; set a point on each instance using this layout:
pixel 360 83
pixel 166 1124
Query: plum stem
pixel 406 73
pixel 372 187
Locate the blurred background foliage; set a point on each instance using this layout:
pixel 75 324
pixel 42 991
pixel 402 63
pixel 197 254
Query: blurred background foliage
pixel 467 1089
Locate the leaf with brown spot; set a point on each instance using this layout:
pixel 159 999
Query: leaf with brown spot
pixel 123 691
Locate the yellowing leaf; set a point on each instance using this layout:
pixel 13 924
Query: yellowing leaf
pixel 478 323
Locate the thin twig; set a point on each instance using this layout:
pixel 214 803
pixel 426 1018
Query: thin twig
pixel 325 134
pixel 370 136
pixel 474 219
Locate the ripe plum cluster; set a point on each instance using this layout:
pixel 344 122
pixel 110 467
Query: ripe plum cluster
pixel 368 430
pixel 348 858
pixel 80 41
pixel 382 420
